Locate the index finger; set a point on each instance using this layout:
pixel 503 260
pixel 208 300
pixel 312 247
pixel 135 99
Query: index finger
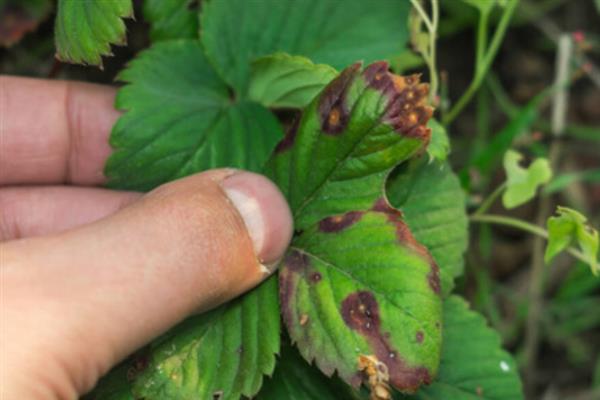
pixel 54 131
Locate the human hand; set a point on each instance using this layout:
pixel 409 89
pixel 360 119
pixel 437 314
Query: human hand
pixel 88 275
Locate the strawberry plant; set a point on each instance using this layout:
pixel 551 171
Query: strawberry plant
pixel 363 304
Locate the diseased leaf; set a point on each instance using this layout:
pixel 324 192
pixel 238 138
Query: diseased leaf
pixel 221 354
pixel 180 120
pixel 281 80
pixel 295 379
pixel 85 29
pixel 355 283
pixel 474 366
pixel 522 183
pixel 236 32
pixel 17 17
pixel 434 207
pixel 172 19
pixel 439 148
pixel 569 227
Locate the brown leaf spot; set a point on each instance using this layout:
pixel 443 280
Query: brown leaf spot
pixel 294 263
pixel 407 111
pixel 333 107
pixel 420 336
pixel 315 277
pixel 360 312
pixel 140 361
pixel 337 223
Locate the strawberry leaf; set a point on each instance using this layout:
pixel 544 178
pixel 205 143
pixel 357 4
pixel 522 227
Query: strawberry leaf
pixel 177 112
pixel 281 80
pixel 236 32
pixel 355 283
pixel 474 366
pixel 173 19
pixel 85 29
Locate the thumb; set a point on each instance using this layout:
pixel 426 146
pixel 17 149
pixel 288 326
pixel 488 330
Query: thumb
pixel 78 302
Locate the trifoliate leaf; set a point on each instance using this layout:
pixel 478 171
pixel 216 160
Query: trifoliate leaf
pixel 236 32
pixel 355 285
pixel 433 202
pixel 17 17
pixel 439 147
pixel 281 80
pixel 179 119
pixel 570 227
pixel 522 183
pixel 85 29
pixel 474 366
pixel 172 19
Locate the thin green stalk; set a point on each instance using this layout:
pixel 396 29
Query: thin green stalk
pixel 417 5
pixel 433 75
pixel 487 203
pixel 482 67
pixel 524 226
pixel 482 37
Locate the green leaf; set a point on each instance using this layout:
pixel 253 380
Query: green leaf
pixel 173 19
pixel 295 379
pixel 522 183
pixel 115 385
pixel 474 366
pixel 235 32
pixel 355 283
pixel 85 29
pixel 17 17
pixel 179 120
pixel 569 227
pixel 281 80
pixel 439 147
pixel 434 207
pixel 222 353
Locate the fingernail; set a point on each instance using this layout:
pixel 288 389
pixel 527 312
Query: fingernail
pixel 265 212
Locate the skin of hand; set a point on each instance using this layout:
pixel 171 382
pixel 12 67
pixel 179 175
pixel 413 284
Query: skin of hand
pixel 89 275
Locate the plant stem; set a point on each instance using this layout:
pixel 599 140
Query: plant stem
pixel 430 56
pixel 487 203
pixel 485 62
pixel 537 278
pixel 524 226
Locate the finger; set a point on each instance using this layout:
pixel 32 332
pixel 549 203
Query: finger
pixel 42 210
pixel 54 131
pixel 79 301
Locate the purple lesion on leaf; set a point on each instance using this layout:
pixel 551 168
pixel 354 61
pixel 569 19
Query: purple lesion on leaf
pixel 290 137
pixel 333 108
pixel 405 237
pixel 293 264
pixel 360 312
pixel 407 110
pixel 337 223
